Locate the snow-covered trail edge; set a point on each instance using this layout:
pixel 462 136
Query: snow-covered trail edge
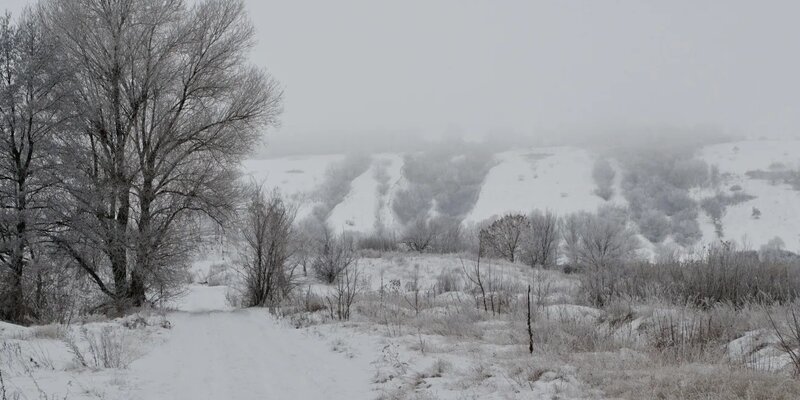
pixel 244 354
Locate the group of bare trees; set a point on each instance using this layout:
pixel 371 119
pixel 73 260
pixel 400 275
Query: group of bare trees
pixel 121 126
pixel 532 238
pixel 585 239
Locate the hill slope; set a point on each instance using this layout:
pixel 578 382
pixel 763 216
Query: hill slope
pixel 560 179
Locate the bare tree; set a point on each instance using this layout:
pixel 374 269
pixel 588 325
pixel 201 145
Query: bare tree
pixel 348 286
pixel 504 235
pixel 267 233
pixel 334 254
pixel 420 235
pixel 541 239
pixel 474 274
pixel 167 106
pixel 30 79
pixel 597 242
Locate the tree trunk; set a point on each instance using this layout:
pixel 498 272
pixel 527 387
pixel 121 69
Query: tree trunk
pixel 17 308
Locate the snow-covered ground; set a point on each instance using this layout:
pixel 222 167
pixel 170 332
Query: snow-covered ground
pixel 246 354
pixel 436 344
pixel 779 203
pixel 558 179
pixel 206 350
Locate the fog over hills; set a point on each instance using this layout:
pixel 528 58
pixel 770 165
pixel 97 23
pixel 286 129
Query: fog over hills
pixel 743 175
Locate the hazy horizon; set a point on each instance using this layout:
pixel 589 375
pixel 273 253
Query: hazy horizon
pixel 381 72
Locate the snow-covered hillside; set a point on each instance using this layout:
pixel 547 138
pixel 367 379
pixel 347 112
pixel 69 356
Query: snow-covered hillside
pixel 557 179
pixel 295 177
pixel 778 203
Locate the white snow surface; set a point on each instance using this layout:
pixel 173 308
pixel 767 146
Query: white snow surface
pixel 779 203
pixel 358 210
pixel 558 179
pixel 245 354
pixel 296 177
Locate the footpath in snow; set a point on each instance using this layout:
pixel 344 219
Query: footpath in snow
pixel 244 354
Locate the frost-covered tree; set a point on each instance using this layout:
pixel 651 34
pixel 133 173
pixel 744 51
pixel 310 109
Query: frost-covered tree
pixel 421 235
pixel 31 77
pixel 541 239
pixel 266 230
pixel 504 236
pixel 165 106
pixel 597 242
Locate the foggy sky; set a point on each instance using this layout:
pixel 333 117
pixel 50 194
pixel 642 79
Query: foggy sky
pixel 472 67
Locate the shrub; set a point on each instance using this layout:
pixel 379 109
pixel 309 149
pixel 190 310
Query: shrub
pixel 104 349
pixel 447 281
pixel 723 275
pixel 378 241
pixel 450 237
pixel 333 255
pixel 347 286
pixel 420 235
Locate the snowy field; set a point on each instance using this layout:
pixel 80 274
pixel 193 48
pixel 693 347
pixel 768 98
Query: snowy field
pixel 779 203
pixel 419 330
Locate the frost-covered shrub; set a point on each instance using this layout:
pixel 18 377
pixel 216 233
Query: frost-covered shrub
pixel 441 234
pixel 448 281
pixel 379 241
pixel 103 348
pixel 332 255
pixel 724 275
pixel 451 236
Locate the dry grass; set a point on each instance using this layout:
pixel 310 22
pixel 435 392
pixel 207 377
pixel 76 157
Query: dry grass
pixel 646 378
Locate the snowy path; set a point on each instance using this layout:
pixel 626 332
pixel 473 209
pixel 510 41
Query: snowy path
pixel 245 354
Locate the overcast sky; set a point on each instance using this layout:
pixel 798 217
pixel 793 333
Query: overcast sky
pixel 476 66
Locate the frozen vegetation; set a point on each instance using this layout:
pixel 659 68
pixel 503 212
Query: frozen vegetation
pixel 147 252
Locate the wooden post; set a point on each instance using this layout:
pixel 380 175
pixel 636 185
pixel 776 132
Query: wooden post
pixel 530 329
